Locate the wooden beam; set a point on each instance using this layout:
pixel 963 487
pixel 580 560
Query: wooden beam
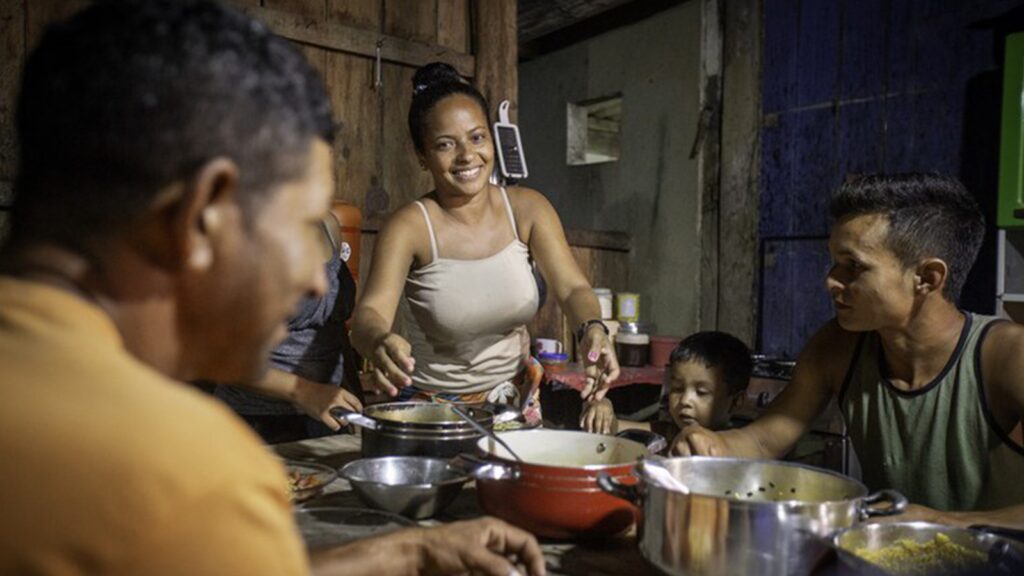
pixel 741 153
pixel 332 36
pixel 708 148
pixel 497 71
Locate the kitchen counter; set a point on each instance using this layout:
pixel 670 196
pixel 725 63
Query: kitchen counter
pixel 612 557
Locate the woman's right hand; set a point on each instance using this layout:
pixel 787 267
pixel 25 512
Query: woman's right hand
pixel 393 363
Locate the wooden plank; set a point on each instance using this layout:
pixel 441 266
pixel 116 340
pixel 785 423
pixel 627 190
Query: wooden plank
pixel 341 38
pixel 12 58
pixel 310 8
pixel 453 24
pixel 403 180
pixel 411 19
pixel 709 161
pixel 41 13
pixel 362 14
pixel 317 57
pixel 356 107
pixel 497 76
pixel 741 129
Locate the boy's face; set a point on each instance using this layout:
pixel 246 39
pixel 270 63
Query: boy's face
pixel 869 286
pixel 698 395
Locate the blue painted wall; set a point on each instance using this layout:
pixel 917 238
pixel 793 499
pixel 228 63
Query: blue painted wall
pixel 859 86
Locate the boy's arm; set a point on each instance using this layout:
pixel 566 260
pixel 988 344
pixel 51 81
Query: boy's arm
pixel 816 378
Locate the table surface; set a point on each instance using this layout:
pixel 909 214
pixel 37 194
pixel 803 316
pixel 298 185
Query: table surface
pixel 618 556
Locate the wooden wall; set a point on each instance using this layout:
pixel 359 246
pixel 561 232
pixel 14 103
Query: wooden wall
pixel 376 168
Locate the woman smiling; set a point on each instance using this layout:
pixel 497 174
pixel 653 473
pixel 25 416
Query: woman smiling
pixel 461 256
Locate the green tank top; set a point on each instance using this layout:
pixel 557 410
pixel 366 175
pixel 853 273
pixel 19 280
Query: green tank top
pixel 938 445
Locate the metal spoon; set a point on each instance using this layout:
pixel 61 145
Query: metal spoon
pixel 490 434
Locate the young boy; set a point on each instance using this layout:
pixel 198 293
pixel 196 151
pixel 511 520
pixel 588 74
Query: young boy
pixel 708 374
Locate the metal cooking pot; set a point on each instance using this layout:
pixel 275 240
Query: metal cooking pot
pixel 995 554
pixel 553 492
pixel 743 516
pixel 415 429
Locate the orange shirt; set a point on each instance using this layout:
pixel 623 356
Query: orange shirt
pixel 108 467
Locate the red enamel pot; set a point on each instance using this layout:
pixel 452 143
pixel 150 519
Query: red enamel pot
pixel 553 491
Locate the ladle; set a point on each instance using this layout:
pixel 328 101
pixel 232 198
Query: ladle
pixel 489 433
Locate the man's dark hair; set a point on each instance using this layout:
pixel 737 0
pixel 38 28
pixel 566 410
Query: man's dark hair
pixel 718 350
pixel 129 96
pixel 930 216
pixel 431 84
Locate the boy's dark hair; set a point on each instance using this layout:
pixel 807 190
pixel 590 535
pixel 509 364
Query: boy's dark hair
pixel 718 349
pixel 129 96
pixel 930 216
pixel 432 83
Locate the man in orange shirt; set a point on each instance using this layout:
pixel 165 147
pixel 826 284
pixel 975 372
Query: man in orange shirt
pixel 175 165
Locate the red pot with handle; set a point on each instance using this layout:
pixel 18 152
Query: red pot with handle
pixel 553 491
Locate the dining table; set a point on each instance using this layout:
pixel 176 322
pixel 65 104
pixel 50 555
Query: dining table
pixel 613 556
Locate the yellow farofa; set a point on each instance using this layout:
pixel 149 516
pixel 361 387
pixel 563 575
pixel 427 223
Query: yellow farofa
pixel 905 557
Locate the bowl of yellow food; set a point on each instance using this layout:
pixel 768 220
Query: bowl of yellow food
pixel 307 480
pixel 925 549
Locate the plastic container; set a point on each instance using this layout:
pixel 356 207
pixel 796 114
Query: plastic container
pixel 554 362
pixel 661 349
pixel 627 306
pixel 632 349
pixel 604 298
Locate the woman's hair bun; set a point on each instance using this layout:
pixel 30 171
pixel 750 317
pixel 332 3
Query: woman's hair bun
pixel 434 74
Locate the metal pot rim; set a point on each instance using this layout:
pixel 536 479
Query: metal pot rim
pixel 537 470
pixel 457 425
pixel 789 504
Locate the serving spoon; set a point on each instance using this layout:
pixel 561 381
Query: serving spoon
pixel 489 433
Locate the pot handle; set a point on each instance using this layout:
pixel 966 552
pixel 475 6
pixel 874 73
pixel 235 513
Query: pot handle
pixel 897 504
pixel 655 442
pixel 345 416
pixel 628 492
pixel 1005 532
pixel 482 469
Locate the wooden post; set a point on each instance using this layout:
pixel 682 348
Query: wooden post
pixel 497 73
pixel 740 161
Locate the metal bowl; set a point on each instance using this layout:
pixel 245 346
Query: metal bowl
pixel 307 479
pixel 413 486
pixel 964 551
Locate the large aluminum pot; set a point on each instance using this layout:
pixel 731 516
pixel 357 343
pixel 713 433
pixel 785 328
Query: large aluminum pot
pixel 415 429
pixel 742 516
pixel 982 550
pixel 553 491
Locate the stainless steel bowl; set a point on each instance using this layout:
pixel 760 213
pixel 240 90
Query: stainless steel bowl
pixel 413 486
pixel 913 549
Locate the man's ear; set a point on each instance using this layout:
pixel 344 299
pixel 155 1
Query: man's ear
pixel 930 276
pixel 187 217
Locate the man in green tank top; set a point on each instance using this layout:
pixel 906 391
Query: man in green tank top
pixel 933 397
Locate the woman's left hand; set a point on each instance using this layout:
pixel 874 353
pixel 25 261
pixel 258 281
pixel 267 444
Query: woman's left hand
pixel 600 364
